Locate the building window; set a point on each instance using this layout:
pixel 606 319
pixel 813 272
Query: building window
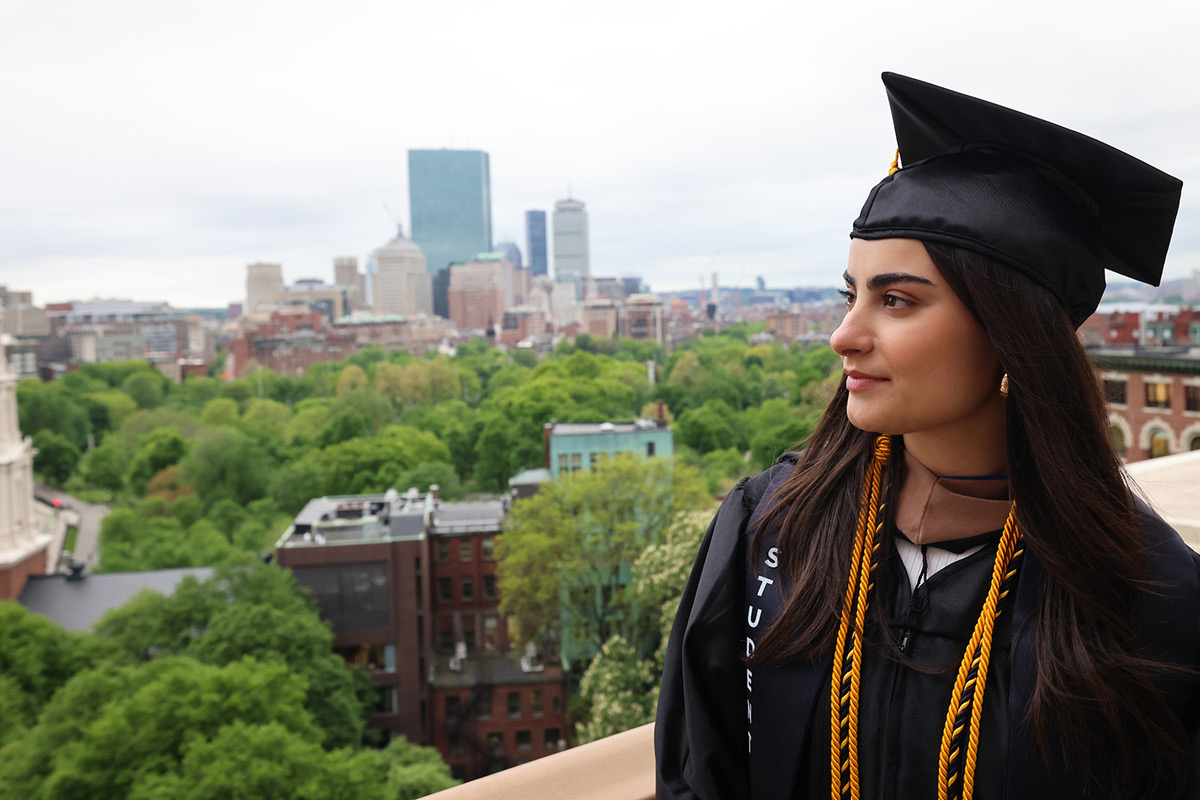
pixel 489 587
pixel 446 640
pixel 468 589
pixel 1160 444
pixel 557 705
pixel 1194 332
pixel 464 549
pixel 593 461
pixel 1158 395
pixel 483 705
pixel 1191 398
pixel 650 449
pixel 443 550
pixel 537 706
pixel 552 738
pixel 576 462
pixel 386 703
pixel 524 741
pixel 453 707
pixel 1114 392
pixel 514 704
pixel 456 746
pixel 495 743
pixel 1195 445
pixel 445 591
pixel 491 632
pixel 1118 440
pixel 562 463
pixel 488 546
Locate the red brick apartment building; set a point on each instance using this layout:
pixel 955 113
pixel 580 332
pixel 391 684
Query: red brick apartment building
pixel 408 583
pixel 1148 357
pixel 289 344
pixel 1153 398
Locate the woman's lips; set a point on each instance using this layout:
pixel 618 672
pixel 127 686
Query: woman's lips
pixel 860 381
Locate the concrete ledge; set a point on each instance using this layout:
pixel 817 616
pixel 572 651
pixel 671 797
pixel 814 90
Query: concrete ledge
pixel 619 767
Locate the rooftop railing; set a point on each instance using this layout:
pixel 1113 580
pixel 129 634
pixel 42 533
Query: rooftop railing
pixel 619 767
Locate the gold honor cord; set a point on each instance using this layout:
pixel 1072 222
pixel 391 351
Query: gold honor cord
pixel 956 771
pixel 843 692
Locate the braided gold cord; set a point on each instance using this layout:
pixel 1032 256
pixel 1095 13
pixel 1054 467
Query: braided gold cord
pixel 844 726
pixel 975 661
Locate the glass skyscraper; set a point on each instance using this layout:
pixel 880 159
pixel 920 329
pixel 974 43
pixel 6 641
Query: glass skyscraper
pixel 535 241
pixel 450 198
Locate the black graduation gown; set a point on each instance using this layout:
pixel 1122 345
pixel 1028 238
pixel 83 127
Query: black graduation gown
pixel 723 732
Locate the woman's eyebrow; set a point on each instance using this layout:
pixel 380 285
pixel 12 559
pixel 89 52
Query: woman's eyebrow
pixel 887 279
pixel 884 279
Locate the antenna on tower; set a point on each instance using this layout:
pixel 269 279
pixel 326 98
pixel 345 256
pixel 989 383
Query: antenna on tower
pixel 392 218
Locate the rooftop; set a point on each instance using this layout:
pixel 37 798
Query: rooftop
pixel 576 428
pixel 78 603
pixel 1171 485
pixel 489 669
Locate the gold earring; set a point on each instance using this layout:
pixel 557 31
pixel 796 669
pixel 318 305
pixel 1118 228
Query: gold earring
pixel 1004 385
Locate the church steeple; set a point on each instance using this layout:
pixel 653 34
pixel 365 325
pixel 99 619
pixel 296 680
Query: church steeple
pixel 22 547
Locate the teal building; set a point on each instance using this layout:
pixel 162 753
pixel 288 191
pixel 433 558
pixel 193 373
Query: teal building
pixel 572 446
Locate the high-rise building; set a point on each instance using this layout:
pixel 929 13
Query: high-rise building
pixel 346 274
pixel 480 291
pixel 403 284
pixel 450 197
pixel 535 241
pixel 263 283
pixel 571 243
pixel 511 252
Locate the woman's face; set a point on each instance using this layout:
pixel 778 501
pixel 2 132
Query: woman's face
pixel 915 359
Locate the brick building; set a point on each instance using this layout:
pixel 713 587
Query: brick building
pixel 416 333
pixel 520 324
pixel 480 291
pixel 408 584
pixel 1153 396
pixel 289 343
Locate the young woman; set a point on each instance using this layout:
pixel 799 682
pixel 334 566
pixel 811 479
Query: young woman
pixel 951 592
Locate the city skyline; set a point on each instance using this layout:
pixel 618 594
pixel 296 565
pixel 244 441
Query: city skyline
pixel 701 142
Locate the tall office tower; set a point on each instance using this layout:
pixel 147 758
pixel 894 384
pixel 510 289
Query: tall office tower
pixel 403 284
pixel 535 241
pixel 511 252
pixel 571 243
pixel 263 282
pixel 450 197
pixel 346 275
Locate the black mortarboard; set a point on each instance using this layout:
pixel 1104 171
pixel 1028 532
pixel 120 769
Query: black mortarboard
pixel 1058 206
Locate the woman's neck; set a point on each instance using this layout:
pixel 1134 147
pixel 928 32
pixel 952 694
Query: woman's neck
pixel 965 454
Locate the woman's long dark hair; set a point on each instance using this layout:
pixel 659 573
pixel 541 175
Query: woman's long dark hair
pixel 1094 702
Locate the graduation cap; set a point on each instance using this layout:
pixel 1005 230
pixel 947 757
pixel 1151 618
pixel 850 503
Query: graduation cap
pixel 1057 206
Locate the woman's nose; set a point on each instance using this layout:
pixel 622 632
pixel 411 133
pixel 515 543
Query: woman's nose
pixel 850 336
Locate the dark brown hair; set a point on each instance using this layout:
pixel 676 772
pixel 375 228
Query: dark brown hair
pixel 1094 702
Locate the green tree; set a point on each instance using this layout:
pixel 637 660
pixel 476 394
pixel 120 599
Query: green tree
pixel 567 550
pixel 377 463
pixel 56 456
pixel 296 483
pixel 155 452
pixel 618 687
pixel 226 464
pixel 145 388
pixel 352 378
pixel 219 411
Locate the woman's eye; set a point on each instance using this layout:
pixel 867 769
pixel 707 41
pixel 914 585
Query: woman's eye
pixel 892 301
pixel 847 296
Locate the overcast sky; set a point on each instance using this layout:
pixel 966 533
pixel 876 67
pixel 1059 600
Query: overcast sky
pixel 151 149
